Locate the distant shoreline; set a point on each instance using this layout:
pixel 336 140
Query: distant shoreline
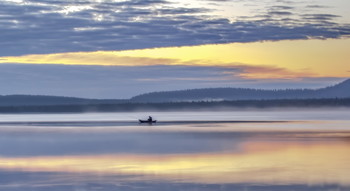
pixel 128 123
pixel 183 106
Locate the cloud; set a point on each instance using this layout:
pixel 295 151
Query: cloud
pixel 270 72
pixel 88 58
pixel 127 81
pixel 316 6
pixel 282 7
pixel 40 27
pixel 111 58
pixel 280 13
pixel 320 17
pixel 102 81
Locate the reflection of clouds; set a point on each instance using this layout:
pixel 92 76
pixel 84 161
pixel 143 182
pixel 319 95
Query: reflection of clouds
pixel 78 181
pixel 287 163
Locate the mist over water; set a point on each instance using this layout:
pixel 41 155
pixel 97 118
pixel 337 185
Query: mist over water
pixel 248 150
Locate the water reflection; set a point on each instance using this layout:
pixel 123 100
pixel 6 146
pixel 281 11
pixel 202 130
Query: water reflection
pixel 312 155
pixel 259 162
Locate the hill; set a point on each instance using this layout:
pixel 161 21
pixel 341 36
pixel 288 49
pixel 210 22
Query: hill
pixel 185 106
pixel 33 100
pixel 341 90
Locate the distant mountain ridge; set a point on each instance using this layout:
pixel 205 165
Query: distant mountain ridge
pixel 31 100
pixel 341 90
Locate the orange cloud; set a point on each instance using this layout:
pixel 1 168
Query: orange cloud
pixel 270 72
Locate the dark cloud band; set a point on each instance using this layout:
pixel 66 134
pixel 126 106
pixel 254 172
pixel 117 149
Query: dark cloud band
pixel 69 26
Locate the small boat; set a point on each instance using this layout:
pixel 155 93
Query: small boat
pixel 147 121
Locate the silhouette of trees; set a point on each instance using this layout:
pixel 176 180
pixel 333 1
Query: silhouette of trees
pixel 341 90
pixel 181 106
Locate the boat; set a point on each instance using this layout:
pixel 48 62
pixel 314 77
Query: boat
pixel 147 121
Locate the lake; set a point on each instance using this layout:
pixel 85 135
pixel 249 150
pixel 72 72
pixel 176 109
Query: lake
pixel 248 150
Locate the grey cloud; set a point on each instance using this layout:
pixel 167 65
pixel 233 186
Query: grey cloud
pixel 143 2
pixel 282 7
pixel 39 28
pixel 182 10
pixel 316 6
pixel 321 17
pixel 219 0
pixel 280 13
pixel 286 2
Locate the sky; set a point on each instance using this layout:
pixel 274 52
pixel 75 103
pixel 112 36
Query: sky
pixel 122 48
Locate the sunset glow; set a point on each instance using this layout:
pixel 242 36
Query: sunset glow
pixel 259 163
pixel 172 95
pixel 282 59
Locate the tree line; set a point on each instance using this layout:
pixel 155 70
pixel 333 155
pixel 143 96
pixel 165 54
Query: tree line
pixel 180 106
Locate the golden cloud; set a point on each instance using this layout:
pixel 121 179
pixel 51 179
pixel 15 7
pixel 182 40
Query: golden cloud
pixel 104 58
pixel 283 59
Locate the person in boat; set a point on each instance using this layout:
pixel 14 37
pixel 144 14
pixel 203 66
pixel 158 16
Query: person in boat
pixel 149 119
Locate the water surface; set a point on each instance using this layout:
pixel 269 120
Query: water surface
pixel 274 150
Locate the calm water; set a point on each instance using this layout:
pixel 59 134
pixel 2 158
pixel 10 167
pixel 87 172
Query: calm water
pixel 249 151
